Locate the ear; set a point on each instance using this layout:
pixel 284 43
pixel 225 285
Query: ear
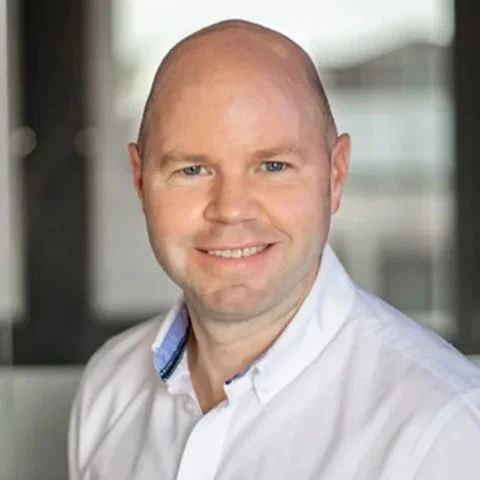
pixel 137 170
pixel 340 162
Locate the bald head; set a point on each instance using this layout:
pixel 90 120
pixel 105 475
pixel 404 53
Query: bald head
pixel 229 44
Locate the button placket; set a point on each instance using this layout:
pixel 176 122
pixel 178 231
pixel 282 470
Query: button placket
pixel 189 405
pixel 203 450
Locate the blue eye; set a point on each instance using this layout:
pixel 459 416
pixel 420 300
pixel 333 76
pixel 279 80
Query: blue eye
pixel 273 166
pixel 193 170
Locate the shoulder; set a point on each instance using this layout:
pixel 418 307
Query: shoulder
pixel 124 354
pixel 404 343
pixel 117 373
pixel 431 389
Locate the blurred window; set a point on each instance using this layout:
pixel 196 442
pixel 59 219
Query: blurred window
pixel 407 282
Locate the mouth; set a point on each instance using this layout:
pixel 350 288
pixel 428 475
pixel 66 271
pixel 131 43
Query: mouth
pixel 236 253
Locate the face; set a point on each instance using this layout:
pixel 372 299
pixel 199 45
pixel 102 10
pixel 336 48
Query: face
pixel 238 189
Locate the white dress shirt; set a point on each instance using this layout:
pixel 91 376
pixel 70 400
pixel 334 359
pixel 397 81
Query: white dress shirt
pixel 351 390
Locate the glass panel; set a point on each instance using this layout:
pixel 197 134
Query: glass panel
pixel 9 267
pixel 385 67
pixel 10 301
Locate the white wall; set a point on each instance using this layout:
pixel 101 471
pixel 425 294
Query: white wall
pixel 34 410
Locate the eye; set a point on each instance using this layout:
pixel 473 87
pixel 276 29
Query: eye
pixel 274 166
pixel 193 170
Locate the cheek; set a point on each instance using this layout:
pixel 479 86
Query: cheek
pixel 168 231
pixel 300 211
pixel 170 215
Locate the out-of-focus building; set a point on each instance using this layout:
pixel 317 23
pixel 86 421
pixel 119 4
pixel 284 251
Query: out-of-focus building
pixel 393 231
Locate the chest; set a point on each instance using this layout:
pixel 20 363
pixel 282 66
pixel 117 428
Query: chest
pixel 313 435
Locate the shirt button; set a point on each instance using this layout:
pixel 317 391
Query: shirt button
pixel 189 405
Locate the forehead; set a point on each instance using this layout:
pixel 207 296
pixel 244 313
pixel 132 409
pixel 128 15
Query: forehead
pixel 236 105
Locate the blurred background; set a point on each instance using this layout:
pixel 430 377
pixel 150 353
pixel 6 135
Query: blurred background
pixel 75 264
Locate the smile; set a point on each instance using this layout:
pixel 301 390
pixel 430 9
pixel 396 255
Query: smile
pixel 238 252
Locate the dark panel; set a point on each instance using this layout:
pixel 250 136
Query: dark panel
pixel 58 327
pixel 466 77
pixel 54 179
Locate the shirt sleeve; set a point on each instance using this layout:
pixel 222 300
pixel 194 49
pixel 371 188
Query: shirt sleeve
pixel 452 450
pixel 73 434
pixel 78 449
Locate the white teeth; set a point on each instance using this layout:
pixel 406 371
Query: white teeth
pixel 238 252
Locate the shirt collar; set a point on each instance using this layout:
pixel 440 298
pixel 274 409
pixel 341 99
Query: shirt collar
pixel 171 340
pixel 320 317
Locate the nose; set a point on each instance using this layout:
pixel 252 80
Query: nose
pixel 231 201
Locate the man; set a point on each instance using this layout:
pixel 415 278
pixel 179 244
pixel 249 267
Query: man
pixel 273 364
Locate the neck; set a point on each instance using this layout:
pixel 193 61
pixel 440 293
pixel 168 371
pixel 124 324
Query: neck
pixel 212 363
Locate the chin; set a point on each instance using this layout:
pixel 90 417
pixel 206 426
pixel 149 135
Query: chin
pixel 235 303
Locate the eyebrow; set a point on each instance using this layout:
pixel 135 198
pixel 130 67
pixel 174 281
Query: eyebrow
pixel 281 150
pixel 176 157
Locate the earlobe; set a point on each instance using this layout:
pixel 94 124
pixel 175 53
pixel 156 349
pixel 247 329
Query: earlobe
pixel 136 168
pixel 340 163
